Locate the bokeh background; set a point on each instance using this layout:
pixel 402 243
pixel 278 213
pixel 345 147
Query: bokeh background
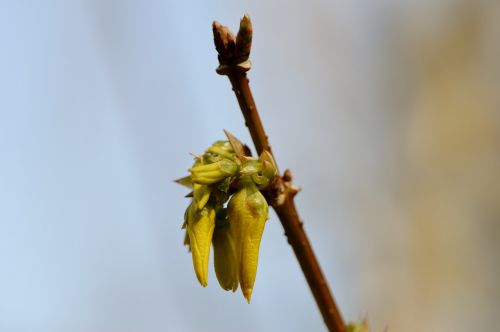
pixel 388 113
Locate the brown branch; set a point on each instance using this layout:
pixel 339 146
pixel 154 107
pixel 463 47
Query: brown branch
pixel 233 59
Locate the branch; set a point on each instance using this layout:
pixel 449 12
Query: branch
pixel 234 62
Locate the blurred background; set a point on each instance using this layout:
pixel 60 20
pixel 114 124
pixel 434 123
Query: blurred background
pixel 387 112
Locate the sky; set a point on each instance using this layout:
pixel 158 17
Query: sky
pixel 385 111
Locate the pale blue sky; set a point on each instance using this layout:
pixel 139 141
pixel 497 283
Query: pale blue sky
pixel 100 104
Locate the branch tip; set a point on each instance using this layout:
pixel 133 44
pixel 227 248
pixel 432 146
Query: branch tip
pixel 233 51
pixel 234 63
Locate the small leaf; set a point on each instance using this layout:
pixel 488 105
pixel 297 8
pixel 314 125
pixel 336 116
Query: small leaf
pixel 185 181
pixel 237 145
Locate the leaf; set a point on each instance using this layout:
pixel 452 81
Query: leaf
pixel 185 181
pixel 238 148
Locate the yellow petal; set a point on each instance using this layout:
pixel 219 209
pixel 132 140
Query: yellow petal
pixel 225 263
pixel 247 213
pixel 200 226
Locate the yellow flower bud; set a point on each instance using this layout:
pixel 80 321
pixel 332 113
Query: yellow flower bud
pixel 247 213
pixel 225 256
pixel 200 224
pixel 213 173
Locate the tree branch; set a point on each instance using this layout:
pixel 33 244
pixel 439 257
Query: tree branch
pixel 233 59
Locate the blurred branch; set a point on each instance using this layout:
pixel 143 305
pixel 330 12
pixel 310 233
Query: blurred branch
pixel 233 59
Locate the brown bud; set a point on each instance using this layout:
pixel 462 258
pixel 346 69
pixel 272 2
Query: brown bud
pixel 244 38
pixel 224 40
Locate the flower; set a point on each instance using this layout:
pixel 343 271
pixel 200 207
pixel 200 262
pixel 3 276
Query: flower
pixel 225 254
pixel 247 214
pixel 226 174
pixel 200 224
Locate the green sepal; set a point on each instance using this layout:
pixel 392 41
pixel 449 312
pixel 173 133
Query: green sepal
pixel 215 172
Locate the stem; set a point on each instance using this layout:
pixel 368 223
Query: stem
pixel 233 58
pixel 239 81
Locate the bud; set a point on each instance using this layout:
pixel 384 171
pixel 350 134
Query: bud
pixel 261 170
pixel 213 173
pixel 244 38
pixel 250 166
pixel 221 149
pixel 200 224
pixel 222 38
pixel 269 168
pixel 247 213
pixel 355 327
pixel 225 256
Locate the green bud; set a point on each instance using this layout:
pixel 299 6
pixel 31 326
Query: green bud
pixel 225 256
pixel 250 166
pixel 266 172
pixel 200 224
pixel 269 169
pixel 247 213
pixel 223 149
pixel 355 327
pixel 261 170
pixel 213 173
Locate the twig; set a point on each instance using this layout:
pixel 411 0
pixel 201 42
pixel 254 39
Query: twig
pixel 233 59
